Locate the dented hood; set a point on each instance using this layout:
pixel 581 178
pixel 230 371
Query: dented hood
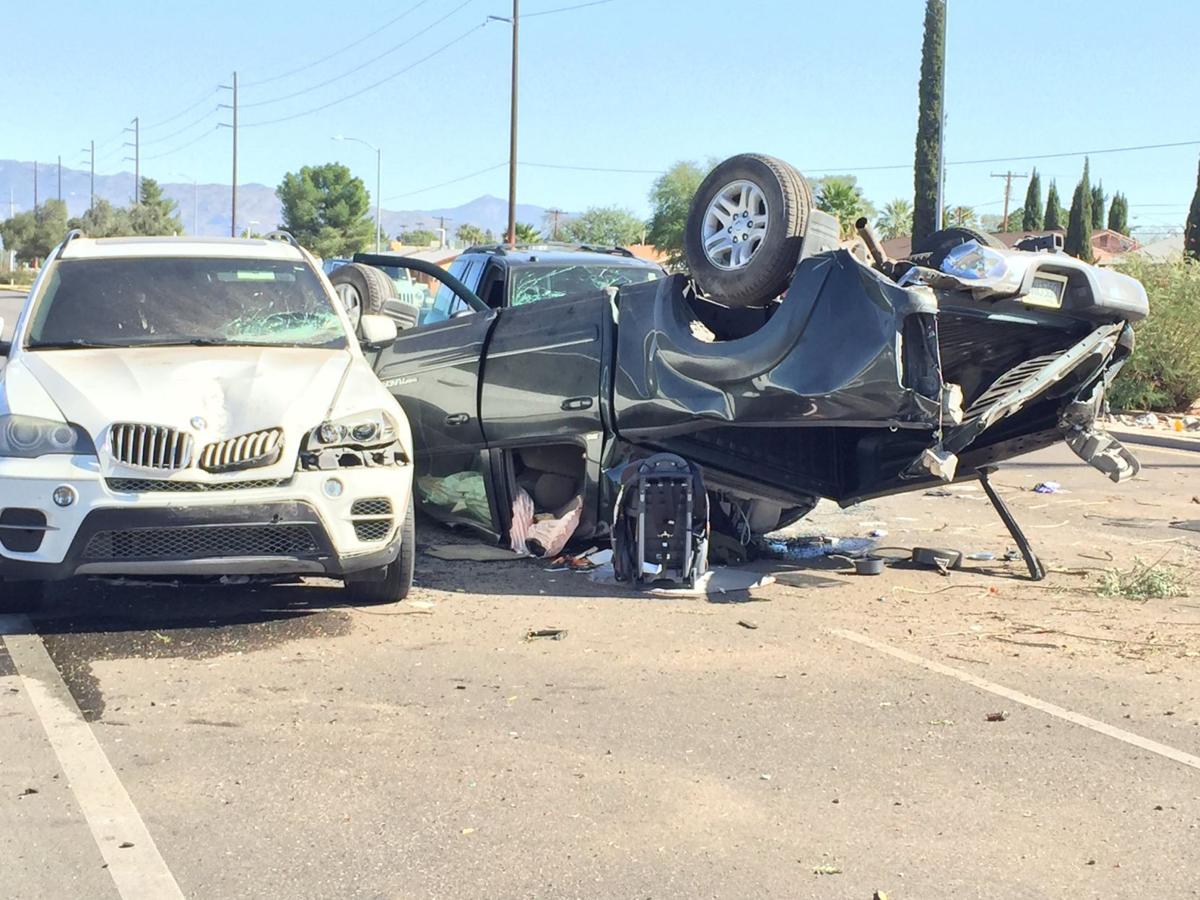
pixel 212 392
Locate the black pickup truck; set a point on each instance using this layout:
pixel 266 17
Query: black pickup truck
pixel 788 366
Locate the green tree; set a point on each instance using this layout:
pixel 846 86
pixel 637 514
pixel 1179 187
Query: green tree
pixel 1098 200
pixel 325 209
pixel 1191 231
pixel 1016 218
pixel 417 237
pixel 527 234
pixel 1079 225
pixel 961 216
pixel 604 226
pixel 469 235
pixel 1031 213
pixel 1054 211
pixel 896 219
pixel 928 157
pixel 1118 214
pixel 156 214
pixel 103 220
pixel 33 234
pixel 841 196
pixel 671 199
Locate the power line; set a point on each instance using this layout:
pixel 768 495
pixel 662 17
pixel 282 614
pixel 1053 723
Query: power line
pixel 593 168
pixel 181 113
pixel 329 56
pixel 361 65
pixel 175 134
pixel 434 187
pixel 550 12
pixel 183 146
pixel 345 97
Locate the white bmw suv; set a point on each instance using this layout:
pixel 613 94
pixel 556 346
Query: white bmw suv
pixel 180 406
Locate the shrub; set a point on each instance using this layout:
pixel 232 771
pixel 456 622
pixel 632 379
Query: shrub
pixel 1163 374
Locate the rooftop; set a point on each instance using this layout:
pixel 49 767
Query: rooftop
pixel 125 247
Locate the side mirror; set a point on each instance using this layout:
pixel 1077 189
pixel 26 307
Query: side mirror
pixel 376 332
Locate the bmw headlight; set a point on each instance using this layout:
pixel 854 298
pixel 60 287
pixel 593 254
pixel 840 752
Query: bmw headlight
pixel 369 429
pixel 29 437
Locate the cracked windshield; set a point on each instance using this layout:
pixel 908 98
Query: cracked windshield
pixel 157 302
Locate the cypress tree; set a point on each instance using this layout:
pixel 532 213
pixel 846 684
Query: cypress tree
pixel 1118 214
pixel 1191 233
pixel 1053 207
pixel 1079 225
pixel 927 160
pixel 1098 205
pixel 1031 217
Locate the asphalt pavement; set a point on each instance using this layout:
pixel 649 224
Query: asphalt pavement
pixel 268 742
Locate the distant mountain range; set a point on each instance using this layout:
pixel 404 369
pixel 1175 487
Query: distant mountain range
pixel 204 208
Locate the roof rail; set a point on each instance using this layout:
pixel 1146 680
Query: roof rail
pixel 614 251
pixel 280 235
pixel 562 246
pixel 71 235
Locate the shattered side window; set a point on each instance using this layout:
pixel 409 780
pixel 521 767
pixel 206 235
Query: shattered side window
pixel 534 283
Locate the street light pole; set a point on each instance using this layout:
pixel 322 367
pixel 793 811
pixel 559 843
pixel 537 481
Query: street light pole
pixel 378 186
pixel 512 133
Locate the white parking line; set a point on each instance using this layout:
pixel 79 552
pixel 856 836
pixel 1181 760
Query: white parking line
pixel 136 866
pixel 1000 690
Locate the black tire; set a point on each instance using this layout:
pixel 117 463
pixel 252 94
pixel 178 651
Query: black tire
pixel 22 596
pixel 397 577
pixel 363 289
pixel 932 251
pixel 788 203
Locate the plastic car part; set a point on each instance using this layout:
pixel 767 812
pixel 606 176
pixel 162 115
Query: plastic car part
pixel 745 229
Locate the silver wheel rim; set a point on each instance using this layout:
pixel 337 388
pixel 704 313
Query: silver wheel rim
pixel 735 225
pixel 350 301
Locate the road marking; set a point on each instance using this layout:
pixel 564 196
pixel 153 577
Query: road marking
pixel 1000 690
pixel 138 870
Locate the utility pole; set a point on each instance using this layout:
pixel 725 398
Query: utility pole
pixel 234 106
pixel 137 160
pixel 1008 180
pixel 60 179
pixel 35 180
pixel 512 132
pixel 554 214
pixel 941 182
pixel 90 150
pixel 442 220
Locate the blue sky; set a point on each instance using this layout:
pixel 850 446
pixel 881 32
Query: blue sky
pixel 625 84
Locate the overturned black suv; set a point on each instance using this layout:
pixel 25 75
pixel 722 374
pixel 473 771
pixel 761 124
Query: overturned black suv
pixel 787 367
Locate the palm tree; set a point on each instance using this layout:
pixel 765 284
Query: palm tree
pixel 896 220
pixel 962 216
pixel 844 199
pixel 527 234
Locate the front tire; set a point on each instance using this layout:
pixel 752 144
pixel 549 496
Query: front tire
pixel 745 229
pixel 397 577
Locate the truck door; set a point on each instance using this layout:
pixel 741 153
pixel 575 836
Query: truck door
pixel 542 376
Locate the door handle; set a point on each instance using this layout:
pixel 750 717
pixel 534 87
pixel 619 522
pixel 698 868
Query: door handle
pixel 575 403
pixel 458 419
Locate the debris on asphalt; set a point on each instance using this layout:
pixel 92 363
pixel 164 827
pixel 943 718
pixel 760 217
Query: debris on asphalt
pixel 551 634
pixel 815 546
pixel 1048 487
pixel 764 777
pixel 747 624
pixel 468 831
pixel 879 895
pixel 1141 582
pixel 827 870
pixel 472 553
pixel 124 845
pixel 982 556
pixel 720 580
pixel 1000 716
pixel 27 792
pixel 1187 524
pixel 937 558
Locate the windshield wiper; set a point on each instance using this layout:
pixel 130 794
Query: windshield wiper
pixel 73 344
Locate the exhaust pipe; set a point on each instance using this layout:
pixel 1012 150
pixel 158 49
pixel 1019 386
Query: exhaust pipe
pixel 871 239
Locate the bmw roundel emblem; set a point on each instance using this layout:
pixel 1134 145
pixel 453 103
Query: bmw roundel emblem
pixel 198 423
